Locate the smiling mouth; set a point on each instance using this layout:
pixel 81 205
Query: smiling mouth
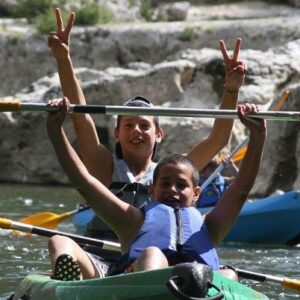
pixel 136 141
pixel 172 200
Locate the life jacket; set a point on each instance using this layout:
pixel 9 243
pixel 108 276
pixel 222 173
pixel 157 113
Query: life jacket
pixel 213 192
pixel 126 188
pixel 178 231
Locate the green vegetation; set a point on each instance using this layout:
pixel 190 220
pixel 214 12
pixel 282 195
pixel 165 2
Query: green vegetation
pixel 199 2
pixel 41 13
pixel 131 3
pixel 188 34
pixel 46 21
pixel 147 11
pixel 30 9
pixel 92 13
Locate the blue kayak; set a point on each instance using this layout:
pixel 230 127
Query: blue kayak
pixel 273 220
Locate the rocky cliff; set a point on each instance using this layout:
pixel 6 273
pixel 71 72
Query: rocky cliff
pixel 174 64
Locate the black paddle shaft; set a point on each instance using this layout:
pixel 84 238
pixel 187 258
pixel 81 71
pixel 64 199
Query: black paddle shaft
pixel 251 275
pixel 90 109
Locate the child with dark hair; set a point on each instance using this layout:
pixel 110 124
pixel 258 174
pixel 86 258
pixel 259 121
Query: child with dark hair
pixel 214 188
pixel 148 236
pixel 129 170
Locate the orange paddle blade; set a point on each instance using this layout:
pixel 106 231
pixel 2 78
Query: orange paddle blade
pixel 240 154
pixel 282 100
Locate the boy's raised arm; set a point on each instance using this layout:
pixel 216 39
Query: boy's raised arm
pixel 221 219
pixel 94 154
pixel 235 70
pixel 122 217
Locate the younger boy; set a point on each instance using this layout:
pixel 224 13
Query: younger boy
pixel 146 236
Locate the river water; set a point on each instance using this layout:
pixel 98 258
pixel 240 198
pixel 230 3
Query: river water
pixel 20 255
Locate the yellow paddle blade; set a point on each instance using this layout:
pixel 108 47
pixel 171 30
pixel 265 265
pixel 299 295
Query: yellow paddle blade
pixel 48 219
pixel 44 219
pixel 291 283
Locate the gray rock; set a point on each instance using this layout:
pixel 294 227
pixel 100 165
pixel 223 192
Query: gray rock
pixel 25 53
pixel 177 11
pixel 115 63
pixel 194 79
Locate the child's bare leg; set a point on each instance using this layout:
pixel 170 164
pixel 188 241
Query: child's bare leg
pixel 152 258
pixel 60 245
pixel 230 273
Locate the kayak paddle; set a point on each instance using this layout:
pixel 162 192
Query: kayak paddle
pixel 239 151
pixel 240 154
pixel 9 224
pixel 16 105
pixel 278 105
pixel 285 282
pixel 50 220
pixel 221 166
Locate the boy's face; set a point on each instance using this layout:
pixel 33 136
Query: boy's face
pixel 174 186
pixel 137 135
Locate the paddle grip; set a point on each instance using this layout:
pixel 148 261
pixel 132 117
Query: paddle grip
pixel 5 224
pixel 9 105
pixel 292 284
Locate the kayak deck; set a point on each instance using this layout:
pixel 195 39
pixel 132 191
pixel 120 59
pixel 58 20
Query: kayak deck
pixel 139 285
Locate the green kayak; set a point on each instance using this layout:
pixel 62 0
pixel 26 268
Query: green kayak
pixel 180 282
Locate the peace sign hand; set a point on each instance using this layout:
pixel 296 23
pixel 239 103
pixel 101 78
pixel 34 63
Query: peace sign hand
pixel 59 41
pixel 235 68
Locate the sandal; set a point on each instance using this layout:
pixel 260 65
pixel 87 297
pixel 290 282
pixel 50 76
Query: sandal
pixel 66 268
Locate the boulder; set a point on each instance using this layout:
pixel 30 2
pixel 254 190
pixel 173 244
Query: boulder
pixel 174 64
pixel 192 79
pixel 177 11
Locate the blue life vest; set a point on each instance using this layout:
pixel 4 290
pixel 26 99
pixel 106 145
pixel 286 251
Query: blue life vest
pixel 213 192
pixel 179 231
